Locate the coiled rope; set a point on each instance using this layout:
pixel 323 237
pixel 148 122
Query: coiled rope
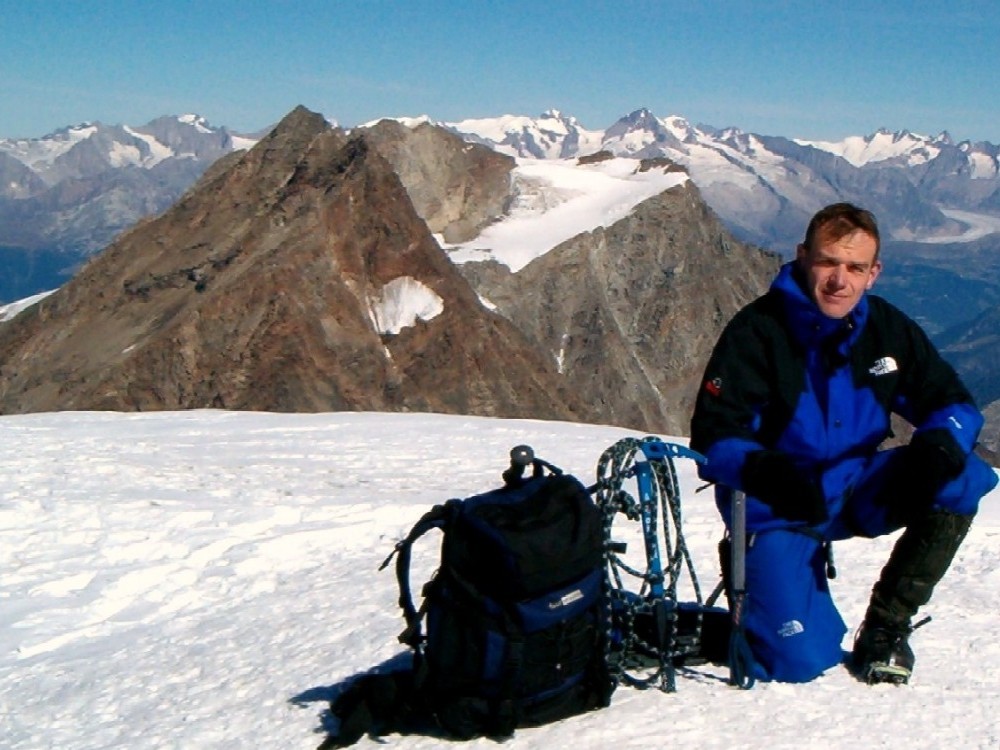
pixel 649 594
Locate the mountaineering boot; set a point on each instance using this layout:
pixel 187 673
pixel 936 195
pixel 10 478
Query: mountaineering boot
pixel 882 654
pixel 919 560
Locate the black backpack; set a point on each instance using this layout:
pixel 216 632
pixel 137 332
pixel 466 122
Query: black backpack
pixel 512 629
pixel 535 613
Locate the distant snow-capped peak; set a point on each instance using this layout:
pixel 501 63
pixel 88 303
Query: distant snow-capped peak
pixel 549 136
pixel 121 145
pixel 409 122
pixel 37 152
pixel 884 145
pixel 640 133
pixel 554 135
pixel 682 129
pixel 197 121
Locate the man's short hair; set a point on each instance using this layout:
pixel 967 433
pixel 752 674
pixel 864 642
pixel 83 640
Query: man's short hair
pixel 839 220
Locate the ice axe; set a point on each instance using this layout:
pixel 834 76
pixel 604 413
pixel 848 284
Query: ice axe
pixel 741 663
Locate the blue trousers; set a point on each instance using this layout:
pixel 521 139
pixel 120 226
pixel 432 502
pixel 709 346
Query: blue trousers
pixel 792 624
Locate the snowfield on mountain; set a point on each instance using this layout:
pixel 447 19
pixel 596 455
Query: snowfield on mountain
pixel 557 200
pixel 207 579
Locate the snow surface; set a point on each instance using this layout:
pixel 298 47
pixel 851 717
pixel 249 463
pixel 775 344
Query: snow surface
pixel 157 151
pixel 11 309
pixel 556 200
pixel 409 122
pixel 729 162
pixel 401 303
pixel 241 143
pixel 206 579
pixel 983 166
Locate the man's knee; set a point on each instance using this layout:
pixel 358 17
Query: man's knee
pixel 962 494
pixel 876 508
pixel 792 625
pixel 801 656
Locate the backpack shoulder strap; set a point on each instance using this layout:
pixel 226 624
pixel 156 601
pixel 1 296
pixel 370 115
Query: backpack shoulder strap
pixel 436 518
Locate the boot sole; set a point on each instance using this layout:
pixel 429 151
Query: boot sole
pixel 891 673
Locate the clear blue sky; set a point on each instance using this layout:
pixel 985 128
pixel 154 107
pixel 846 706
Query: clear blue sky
pixel 820 70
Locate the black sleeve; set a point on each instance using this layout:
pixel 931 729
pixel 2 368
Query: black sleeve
pixel 740 395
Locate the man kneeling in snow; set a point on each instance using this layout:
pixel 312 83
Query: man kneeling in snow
pixel 795 402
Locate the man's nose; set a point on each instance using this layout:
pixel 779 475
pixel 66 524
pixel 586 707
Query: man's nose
pixel 837 276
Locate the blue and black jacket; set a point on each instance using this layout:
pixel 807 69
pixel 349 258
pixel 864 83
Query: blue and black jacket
pixel 785 376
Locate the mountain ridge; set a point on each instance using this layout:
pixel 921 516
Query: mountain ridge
pixel 757 179
pixel 284 280
pixel 265 287
pixel 762 186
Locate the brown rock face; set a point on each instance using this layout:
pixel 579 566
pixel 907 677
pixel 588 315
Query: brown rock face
pixel 259 289
pixel 457 187
pixel 631 312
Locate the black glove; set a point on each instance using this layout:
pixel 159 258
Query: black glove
pixel 918 472
pixel 773 478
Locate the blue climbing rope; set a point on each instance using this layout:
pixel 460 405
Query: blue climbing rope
pixel 643 605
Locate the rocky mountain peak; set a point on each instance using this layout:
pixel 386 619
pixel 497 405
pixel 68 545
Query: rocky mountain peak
pixel 639 119
pixel 640 134
pixel 631 311
pixel 456 187
pixel 263 288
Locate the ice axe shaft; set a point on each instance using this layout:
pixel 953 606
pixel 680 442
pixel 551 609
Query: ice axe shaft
pixel 739 533
pixel 741 662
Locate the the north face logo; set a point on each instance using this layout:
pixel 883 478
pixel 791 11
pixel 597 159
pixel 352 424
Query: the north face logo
pixel 790 628
pixel 883 366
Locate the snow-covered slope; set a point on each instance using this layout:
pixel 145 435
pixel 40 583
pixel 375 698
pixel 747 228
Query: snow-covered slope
pixel 205 579
pixel 8 311
pixel 559 199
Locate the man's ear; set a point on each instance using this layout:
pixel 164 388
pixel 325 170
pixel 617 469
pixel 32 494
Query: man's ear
pixel 800 252
pixel 876 270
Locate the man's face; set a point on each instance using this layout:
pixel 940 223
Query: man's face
pixel 839 271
